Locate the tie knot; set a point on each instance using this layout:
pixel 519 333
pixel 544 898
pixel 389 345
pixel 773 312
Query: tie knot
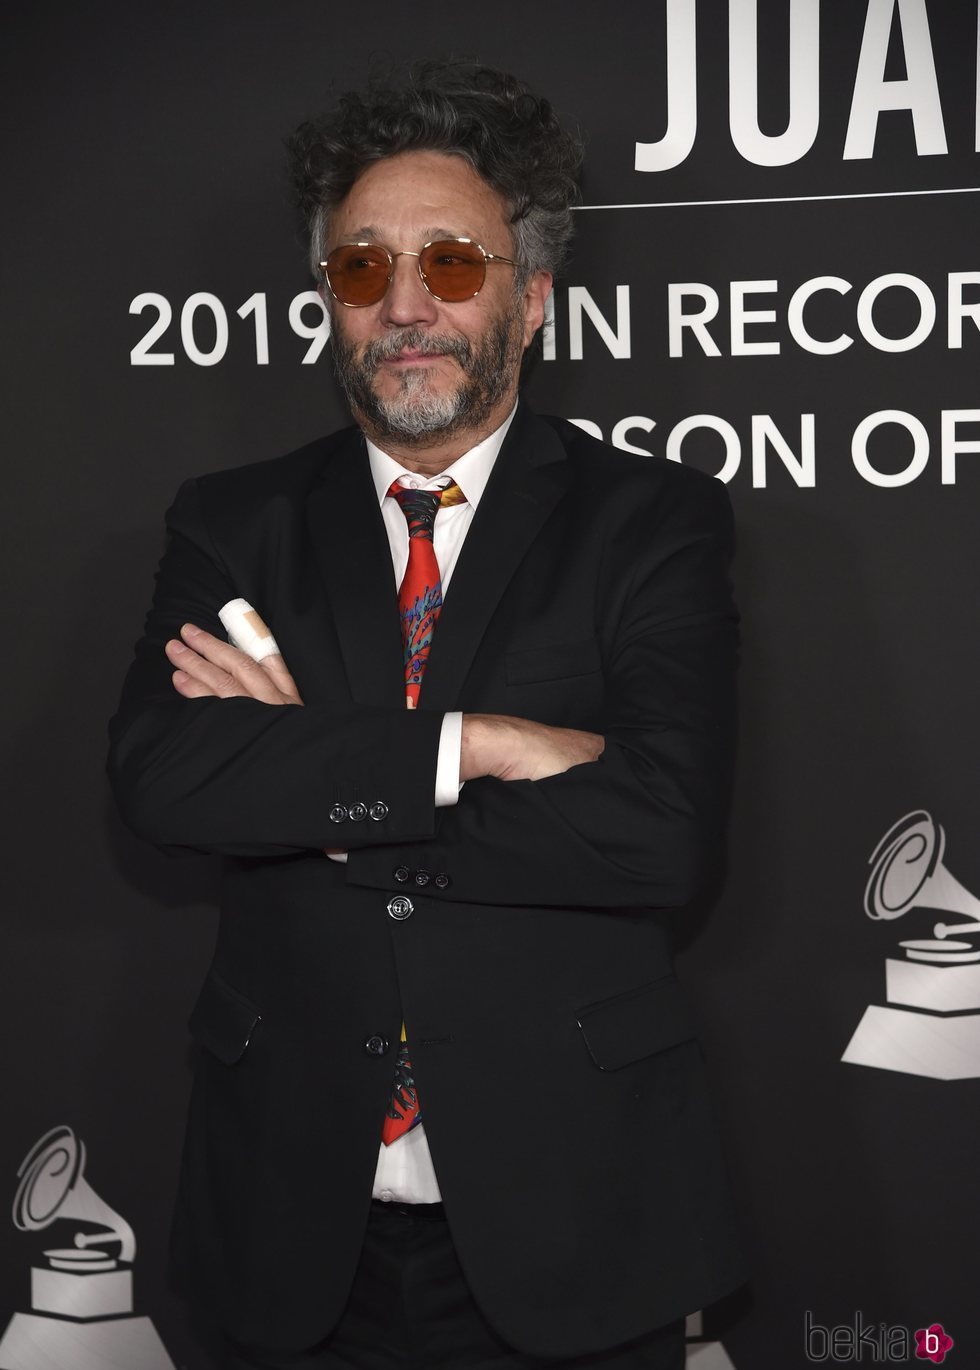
pixel 420 506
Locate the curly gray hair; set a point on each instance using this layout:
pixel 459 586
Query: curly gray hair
pixel 510 136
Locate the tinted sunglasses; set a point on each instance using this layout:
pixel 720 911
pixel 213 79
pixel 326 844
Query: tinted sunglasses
pixel 452 270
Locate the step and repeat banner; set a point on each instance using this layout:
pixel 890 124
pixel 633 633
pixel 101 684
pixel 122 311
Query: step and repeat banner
pixel 777 280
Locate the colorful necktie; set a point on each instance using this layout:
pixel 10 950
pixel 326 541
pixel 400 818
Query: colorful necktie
pixel 419 602
pixel 420 593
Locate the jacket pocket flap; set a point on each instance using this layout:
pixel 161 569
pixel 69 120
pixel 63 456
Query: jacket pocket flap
pixel 638 1023
pixel 553 663
pixel 223 1020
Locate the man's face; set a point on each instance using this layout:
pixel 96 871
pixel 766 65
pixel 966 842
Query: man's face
pixel 413 368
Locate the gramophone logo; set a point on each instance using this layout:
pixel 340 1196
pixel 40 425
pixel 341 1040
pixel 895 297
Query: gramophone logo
pixel 82 1296
pixel 931 1022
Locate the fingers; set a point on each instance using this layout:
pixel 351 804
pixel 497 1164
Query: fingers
pixel 275 666
pixel 190 688
pixel 246 629
pixel 215 668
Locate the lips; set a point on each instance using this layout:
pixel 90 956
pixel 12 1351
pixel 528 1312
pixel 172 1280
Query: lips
pixel 414 347
pixel 410 356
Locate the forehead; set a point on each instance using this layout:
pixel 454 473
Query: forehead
pixel 412 195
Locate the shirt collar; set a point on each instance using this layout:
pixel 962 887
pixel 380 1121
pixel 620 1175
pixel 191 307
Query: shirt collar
pixel 471 471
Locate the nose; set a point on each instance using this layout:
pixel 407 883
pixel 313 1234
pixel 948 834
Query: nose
pixel 407 302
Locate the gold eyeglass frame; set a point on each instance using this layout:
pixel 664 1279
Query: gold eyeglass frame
pixel 488 257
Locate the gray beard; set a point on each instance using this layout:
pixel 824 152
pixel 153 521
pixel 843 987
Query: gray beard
pixel 416 417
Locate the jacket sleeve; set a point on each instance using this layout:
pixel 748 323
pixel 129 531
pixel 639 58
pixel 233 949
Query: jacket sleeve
pixel 643 825
pixel 240 777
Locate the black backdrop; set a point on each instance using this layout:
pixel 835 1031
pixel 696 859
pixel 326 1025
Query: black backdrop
pixel 143 153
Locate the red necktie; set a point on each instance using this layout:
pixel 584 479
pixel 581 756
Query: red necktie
pixel 420 593
pixel 419 602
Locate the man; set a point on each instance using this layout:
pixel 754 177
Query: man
pixel 450 1110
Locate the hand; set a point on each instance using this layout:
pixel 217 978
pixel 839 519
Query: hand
pixel 210 668
pixel 206 667
pixel 518 749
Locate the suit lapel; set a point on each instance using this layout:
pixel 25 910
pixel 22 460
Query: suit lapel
pixel 351 548
pixel 529 476
pixel 350 544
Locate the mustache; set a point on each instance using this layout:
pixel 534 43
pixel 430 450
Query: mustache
pixel 417 340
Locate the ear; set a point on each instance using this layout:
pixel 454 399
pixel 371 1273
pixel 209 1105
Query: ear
pixel 535 298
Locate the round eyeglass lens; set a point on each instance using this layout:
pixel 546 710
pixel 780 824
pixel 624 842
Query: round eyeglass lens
pixel 357 274
pixel 453 271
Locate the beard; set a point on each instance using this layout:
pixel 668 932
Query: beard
pixel 417 415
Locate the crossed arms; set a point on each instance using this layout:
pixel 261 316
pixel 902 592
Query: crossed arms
pixel 493 744
pixel 215 752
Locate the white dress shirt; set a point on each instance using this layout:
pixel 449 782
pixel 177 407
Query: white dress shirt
pixel 405 1171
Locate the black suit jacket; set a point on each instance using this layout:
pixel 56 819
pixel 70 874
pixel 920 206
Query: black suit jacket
pixel 560 1081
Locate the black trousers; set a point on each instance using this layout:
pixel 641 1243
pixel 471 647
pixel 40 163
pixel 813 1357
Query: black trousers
pixel 410 1309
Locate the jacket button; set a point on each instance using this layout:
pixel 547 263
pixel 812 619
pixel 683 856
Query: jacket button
pixel 401 907
pixel 442 881
pixel 376 1046
pixel 422 877
pixel 357 811
pixel 378 810
pixel 338 813
pixel 401 874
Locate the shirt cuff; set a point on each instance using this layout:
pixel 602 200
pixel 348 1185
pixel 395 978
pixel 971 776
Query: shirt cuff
pixel 447 763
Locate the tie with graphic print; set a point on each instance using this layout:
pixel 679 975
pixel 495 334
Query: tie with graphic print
pixel 420 593
pixel 419 602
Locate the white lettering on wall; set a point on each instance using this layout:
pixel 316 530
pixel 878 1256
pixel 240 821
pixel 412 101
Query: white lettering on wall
pixel 628 425
pixel 682 93
pixel 203 303
pixel 917 92
pixel 255 306
pixel 920 448
pixel 766 440
pixel 692 305
pixel 765 434
pixel 950 444
pixel 804 84
pixel 794 316
pixel 203 299
pixel 866 303
pixel 740 316
pixel 958 309
pixel 587 426
pixel 678 318
pixel 581 302
pixel 317 332
pixel 733 448
pixel 142 354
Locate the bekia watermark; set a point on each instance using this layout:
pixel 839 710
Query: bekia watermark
pixel 876 1343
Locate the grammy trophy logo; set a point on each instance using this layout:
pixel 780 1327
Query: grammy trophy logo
pixel 930 1024
pixel 82 1295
